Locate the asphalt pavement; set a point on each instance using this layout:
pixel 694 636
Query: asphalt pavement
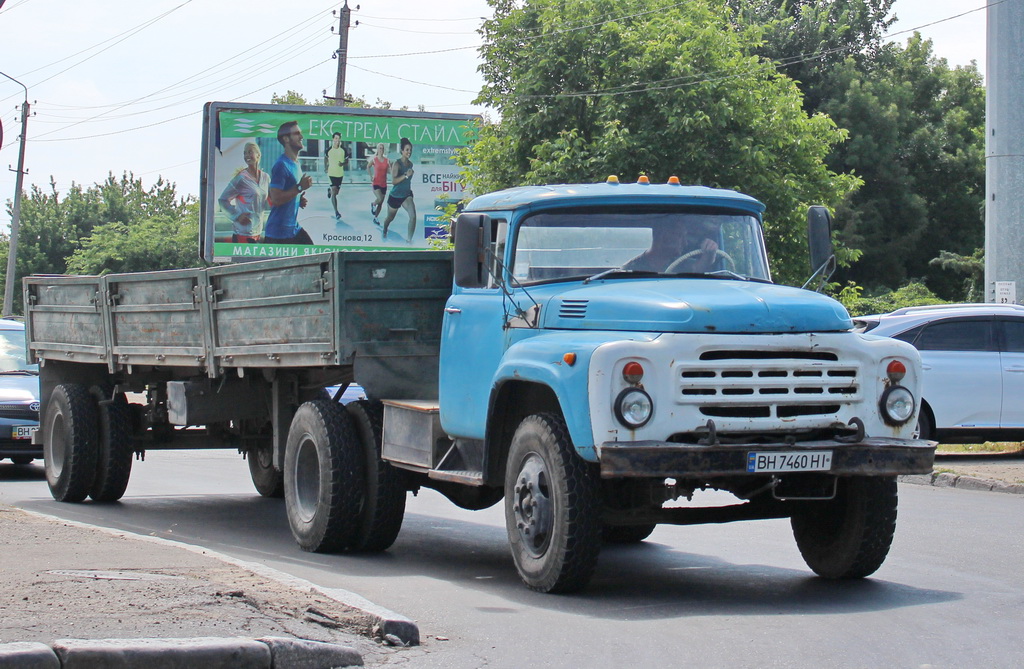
pixel 75 595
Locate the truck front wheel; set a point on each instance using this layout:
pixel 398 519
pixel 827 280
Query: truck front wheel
pixel 323 477
pixel 849 536
pixel 552 507
pixel 70 434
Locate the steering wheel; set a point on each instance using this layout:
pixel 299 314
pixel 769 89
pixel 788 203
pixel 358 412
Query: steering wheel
pixel 686 256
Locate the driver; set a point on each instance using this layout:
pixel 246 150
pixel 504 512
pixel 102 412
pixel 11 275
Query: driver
pixel 671 242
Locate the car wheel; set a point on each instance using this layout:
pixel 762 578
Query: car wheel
pixel 925 425
pixel 70 431
pixel 626 534
pixel 22 459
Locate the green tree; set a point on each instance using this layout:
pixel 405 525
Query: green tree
pixel 165 241
pixel 55 225
pixel 586 88
pixel 917 139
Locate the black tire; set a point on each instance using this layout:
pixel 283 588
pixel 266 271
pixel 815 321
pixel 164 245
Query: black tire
pixel 552 507
pixel 21 459
pixel 70 435
pixel 385 490
pixel 848 537
pixel 323 477
pixel 114 445
pixel 925 424
pixel 268 480
pixel 626 534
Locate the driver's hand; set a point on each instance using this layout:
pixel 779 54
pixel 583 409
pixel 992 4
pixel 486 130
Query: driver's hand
pixel 709 247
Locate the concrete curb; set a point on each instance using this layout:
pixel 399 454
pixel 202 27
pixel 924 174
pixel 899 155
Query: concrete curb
pixel 211 652
pixel 964 482
pixel 390 627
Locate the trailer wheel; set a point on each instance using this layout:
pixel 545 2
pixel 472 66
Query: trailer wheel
pixel 848 537
pixel 268 480
pixel 323 477
pixel 626 534
pixel 70 433
pixel 385 490
pixel 551 507
pixel 114 446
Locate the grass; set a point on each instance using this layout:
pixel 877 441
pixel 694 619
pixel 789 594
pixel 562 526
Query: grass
pixel 987 447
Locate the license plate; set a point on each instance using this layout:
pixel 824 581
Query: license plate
pixel 23 431
pixel 789 461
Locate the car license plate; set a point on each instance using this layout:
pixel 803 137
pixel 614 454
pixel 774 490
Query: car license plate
pixel 23 431
pixel 789 461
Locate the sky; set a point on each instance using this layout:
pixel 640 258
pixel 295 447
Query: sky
pixel 119 85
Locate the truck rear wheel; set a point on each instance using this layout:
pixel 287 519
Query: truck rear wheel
pixel 70 433
pixel 849 536
pixel 551 507
pixel 114 446
pixel 384 503
pixel 268 480
pixel 323 477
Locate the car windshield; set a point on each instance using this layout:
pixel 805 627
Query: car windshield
pixel 584 243
pixel 12 352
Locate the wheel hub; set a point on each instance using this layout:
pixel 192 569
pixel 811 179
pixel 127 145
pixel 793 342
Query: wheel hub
pixel 533 506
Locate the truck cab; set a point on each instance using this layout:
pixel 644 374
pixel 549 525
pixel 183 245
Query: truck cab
pixel 636 326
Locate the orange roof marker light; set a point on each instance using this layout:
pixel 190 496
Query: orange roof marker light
pixel 673 180
pixel 613 179
pixel 642 179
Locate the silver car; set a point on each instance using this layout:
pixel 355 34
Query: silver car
pixel 973 363
pixel 19 396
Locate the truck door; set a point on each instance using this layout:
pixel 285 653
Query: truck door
pixel 472 343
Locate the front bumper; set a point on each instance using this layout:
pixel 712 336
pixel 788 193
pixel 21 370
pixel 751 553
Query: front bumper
pixel 868 457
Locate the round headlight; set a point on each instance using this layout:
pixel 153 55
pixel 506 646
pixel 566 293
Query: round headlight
pixel 897 405
pixel 633 407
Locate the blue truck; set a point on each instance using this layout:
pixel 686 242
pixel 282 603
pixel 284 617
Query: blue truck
pixel 594 356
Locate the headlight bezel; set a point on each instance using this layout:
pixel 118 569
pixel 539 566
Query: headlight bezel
pixel 620 414
pixel 884 405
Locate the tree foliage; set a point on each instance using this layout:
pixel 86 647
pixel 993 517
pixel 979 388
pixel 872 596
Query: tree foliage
pixel 585 89
pixel 54 226
pixel 916 134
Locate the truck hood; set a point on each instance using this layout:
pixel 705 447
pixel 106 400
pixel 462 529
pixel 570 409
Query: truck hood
pixel 693 305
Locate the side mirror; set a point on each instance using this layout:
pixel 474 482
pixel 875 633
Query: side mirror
pixel 819 236
pixel 472 241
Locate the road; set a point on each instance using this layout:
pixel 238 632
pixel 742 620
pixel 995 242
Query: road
pixel 951 593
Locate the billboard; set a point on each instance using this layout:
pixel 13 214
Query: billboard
pixel 281 180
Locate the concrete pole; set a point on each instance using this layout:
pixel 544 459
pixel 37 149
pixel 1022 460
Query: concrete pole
pixel 339 84
pixel 1004 154
pixel 10 279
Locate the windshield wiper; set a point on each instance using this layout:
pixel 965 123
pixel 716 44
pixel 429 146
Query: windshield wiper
pixel 728 273
pixel 619 270
pixel 19 372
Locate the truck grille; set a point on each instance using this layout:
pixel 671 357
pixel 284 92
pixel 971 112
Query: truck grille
pixel 768 384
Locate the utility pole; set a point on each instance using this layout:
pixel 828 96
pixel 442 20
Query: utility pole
pixel 1004 155
pixel 12 249
pixel 342 54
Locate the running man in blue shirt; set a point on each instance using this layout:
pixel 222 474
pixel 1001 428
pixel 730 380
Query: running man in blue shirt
pixel 287 182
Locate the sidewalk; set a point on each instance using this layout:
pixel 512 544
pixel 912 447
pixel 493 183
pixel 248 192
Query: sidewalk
pixel 1000 472
pixel 68 581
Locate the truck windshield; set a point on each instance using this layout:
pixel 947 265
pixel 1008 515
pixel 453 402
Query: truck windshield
pixel 579 243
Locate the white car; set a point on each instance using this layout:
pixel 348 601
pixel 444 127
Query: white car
pixel 973 367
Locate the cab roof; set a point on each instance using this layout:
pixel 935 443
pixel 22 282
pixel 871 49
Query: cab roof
pixel 613 194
